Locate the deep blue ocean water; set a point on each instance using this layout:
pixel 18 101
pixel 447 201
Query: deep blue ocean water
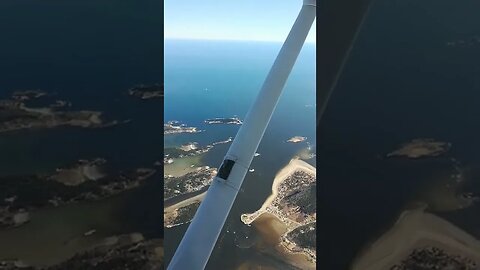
pixel 206 79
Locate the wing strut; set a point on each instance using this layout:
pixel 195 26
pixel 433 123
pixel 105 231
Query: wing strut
pixel 200 238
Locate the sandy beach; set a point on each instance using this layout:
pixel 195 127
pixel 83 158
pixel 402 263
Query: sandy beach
pixel 294 165
pixel 170 213
pixel 184 203
pixel 272 227
pixel 271 230
pixel 417 229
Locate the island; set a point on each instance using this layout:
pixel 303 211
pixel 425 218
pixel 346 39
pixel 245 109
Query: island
pixel 27 95
pixel 15 115
pixel 147 91
pixel 225 121
pixel 293 203
pixel 174 127
pixel 296 139
pixel 84 181
pixel 127 251
pixel 420 240
pixel 419 148
pixel 190 149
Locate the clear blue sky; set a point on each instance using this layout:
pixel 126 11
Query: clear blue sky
pixel 264 20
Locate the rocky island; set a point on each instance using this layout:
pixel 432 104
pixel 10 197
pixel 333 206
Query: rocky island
pixel 147 91
pixel 15 115
pixel 85 181
pixel 174 127
pixel 296 139
pixel 293 202
pixel 419 148
pixel 225 121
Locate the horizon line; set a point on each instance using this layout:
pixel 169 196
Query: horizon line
pixel 244 40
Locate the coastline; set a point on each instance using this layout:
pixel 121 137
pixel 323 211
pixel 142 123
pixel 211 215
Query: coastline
pixel 294 165
pixel 271 229
pixel 171 210
pixel 185 202
pixel 283 225
pixel 181 166
pixel 416 229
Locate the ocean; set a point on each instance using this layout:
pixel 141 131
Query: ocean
pixel 206 79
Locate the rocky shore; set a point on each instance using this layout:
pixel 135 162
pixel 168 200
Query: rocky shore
pixel 174 127
pixel 225 121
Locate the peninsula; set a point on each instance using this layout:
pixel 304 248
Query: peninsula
pixel 194 181
pixel 182 212
pixel 293 202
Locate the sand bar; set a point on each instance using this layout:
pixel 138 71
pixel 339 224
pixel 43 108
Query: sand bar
pixel 417 229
